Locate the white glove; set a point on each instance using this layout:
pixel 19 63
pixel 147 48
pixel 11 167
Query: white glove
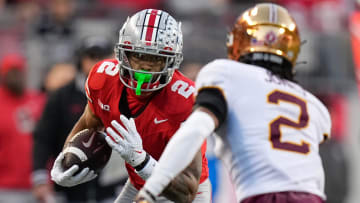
pixel 144 196
pixel 128 143
pixel 66 178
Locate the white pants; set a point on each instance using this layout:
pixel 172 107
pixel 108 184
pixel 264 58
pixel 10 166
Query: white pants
pixel 129 192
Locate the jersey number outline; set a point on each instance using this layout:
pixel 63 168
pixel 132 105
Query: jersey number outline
pixel 182 88
pixel 109 68
pixel 274 126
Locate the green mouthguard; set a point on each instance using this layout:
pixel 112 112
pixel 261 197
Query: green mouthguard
pixel 141 78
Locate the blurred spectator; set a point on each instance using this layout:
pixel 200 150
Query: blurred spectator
pixel 51 39
pixel 133 5
pixel 27 11
pixel 335 161
pixel 355 42
pixel 199 6
pixel 328 57
pixel 20 109
pixel 62 110
pixel 13 21
pixel 58 76
pixel 318 14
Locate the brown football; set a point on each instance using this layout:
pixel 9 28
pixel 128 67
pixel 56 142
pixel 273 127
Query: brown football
pixel 87 148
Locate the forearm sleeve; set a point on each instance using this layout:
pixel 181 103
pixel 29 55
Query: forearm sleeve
pixel 180 151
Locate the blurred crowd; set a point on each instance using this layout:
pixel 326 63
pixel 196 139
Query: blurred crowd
pixel 39 41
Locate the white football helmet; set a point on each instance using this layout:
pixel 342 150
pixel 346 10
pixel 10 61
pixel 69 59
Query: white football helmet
pixel 153 32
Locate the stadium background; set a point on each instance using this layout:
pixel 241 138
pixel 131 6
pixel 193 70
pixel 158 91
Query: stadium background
pixel 46 32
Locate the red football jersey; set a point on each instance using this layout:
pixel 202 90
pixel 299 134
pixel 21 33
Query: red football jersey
pixel 161 118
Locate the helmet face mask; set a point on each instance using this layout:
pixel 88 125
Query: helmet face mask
pixel 153 80
pixel 154 33
pixel 265 28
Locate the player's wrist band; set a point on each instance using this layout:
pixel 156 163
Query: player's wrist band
pixel 145 169
pixel 143 164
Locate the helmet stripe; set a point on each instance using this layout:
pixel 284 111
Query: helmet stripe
pixel 151 23
pixel 273 13
pixel 156 26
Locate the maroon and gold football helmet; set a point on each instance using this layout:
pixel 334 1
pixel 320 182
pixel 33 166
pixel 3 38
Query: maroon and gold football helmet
pixel 265 28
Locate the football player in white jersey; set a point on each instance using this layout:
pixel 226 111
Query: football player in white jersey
pixel 268 127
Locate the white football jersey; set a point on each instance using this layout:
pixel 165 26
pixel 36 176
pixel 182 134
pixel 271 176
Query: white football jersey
pixel 270 139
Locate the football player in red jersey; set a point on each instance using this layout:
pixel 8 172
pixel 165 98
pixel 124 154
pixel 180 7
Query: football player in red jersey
pixel 141 99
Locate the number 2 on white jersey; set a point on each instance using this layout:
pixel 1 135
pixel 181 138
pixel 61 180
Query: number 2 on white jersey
pixel 275 125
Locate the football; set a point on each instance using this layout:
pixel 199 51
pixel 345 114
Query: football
pixel 87 148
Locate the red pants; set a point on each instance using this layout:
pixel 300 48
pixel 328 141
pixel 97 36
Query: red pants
pixel 284 197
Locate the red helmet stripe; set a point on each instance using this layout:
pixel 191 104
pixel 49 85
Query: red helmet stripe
pixel 150 25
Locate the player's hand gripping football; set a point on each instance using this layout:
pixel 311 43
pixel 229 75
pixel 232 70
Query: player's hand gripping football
pixel 127 142
pixel 66 178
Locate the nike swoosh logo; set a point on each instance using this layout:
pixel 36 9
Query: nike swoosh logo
pixel 89 142
pixel 156 121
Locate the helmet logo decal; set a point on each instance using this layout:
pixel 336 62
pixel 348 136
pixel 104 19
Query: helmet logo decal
pixel 270 37
pixel 254 41
pixel 151 25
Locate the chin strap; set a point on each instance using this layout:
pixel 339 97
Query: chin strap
pixel 141 78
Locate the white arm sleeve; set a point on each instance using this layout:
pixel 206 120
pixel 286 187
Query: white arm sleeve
pixel 180 151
